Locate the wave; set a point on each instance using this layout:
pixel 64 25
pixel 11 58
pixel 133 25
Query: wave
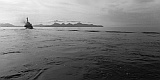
pixel 151 32
pixel 108 31
pixel 73 30
pixel 11 76
pixel 11 52
pixel 92 31
pixel 112 31
pixel 119 32
pixel 98 31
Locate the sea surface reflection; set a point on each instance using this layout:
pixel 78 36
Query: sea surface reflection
pixel 115 54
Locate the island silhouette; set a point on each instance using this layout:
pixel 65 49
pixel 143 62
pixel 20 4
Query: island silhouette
pixel 79 24
pixel 68 25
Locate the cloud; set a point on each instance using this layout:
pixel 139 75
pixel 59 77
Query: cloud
pixel 134 13
pixel 98 11
pixel 132 18
pixel 144 1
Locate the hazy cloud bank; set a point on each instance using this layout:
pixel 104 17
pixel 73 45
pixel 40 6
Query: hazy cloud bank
pixel 105 12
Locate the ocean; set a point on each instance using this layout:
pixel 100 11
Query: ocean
pixel 109 53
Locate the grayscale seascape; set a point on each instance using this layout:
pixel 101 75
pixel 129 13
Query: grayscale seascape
pixel 79 39
pixel 79 53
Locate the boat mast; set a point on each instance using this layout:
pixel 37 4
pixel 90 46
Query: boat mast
pixel 27 19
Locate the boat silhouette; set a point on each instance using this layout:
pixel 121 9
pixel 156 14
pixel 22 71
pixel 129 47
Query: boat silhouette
pixel 28 25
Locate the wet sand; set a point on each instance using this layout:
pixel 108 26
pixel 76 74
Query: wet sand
pixel 53 54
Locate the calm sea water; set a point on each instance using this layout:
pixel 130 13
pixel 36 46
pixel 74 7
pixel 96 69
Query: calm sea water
pixel 119 53
pixel 134 29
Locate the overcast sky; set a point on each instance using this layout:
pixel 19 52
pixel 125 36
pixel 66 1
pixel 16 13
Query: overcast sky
pixel 105 12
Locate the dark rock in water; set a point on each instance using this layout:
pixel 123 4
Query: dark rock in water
pixel 28 25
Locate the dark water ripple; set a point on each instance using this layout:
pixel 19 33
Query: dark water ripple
pixel 119 32
pixel 114 57
pixel 92 31
pixel 76 30
pixel 133 60
pixel 151 32
pixel 107 68
pixel 99 31
pixel 12 52
pixel 73 30
pixel 11 76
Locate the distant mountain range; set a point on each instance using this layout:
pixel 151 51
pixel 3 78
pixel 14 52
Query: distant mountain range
pixel 68 25
pixel 54 25
pixel 6 25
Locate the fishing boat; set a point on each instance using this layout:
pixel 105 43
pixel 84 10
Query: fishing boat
pixel 28 25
